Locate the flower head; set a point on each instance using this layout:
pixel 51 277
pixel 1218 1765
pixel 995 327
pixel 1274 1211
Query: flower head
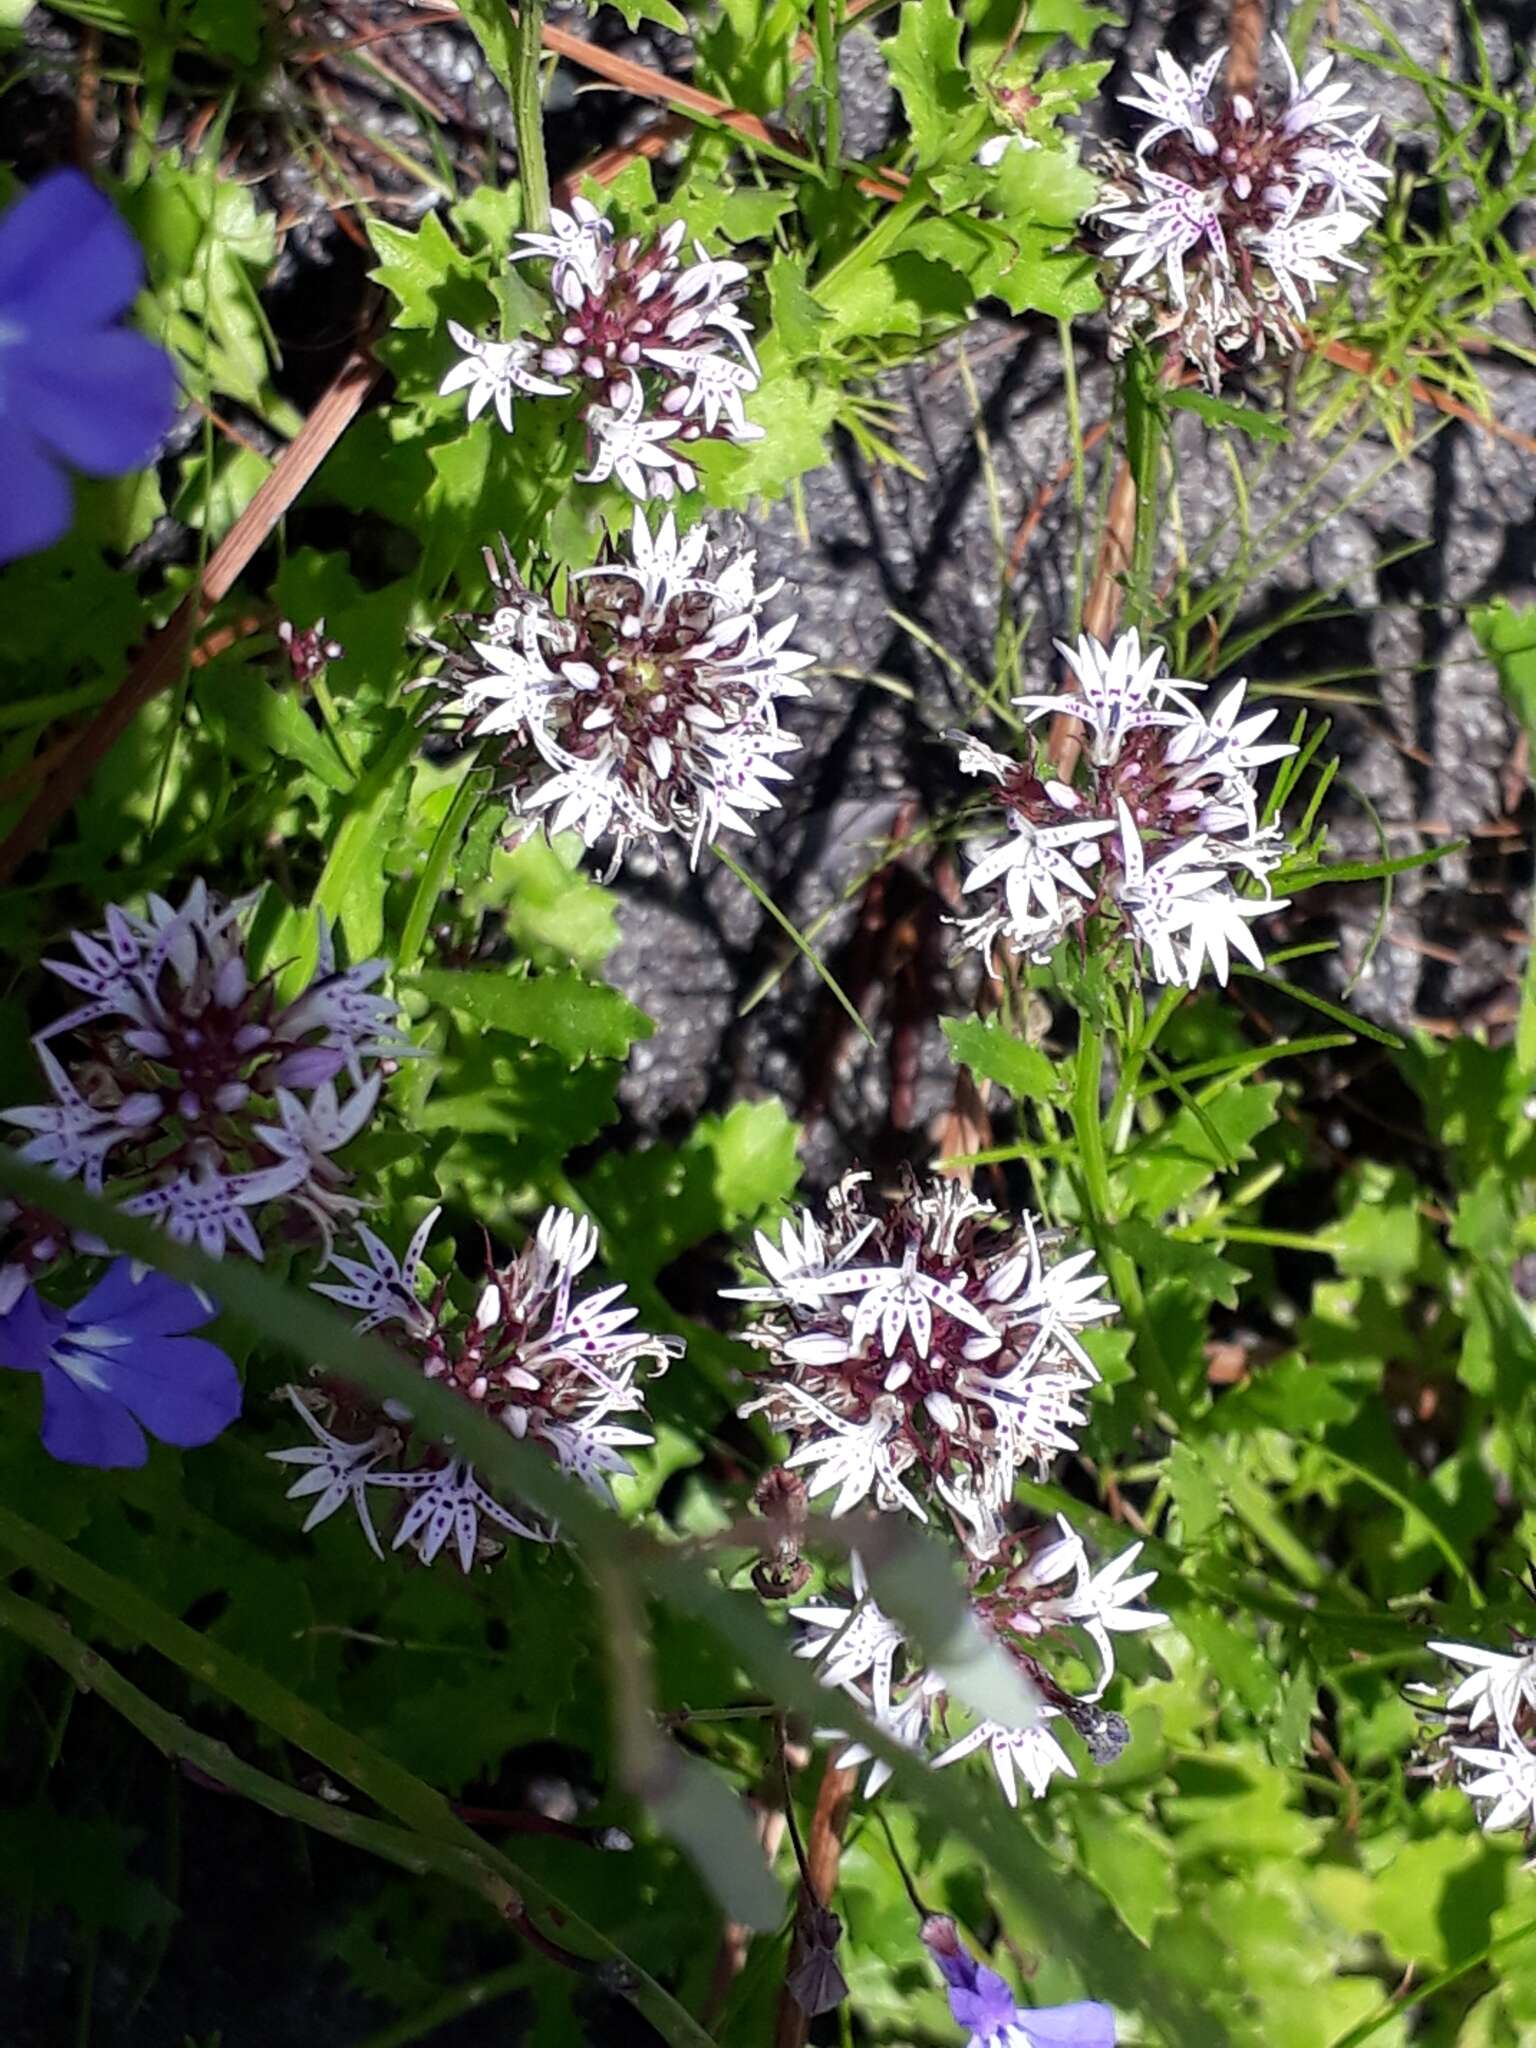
pixel 981 2000
pixel 1153 836
pixel 77 389
pixel 1485 1730
pixel 654 344
pixel 924 1354
pixel 200 1095
pixel 119 1363
pixel 1234 213
pixel 551 1365
pixel 648 706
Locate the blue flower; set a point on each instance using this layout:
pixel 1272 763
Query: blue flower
pixel 120 1358
pixel 982 2001
pixel 75 387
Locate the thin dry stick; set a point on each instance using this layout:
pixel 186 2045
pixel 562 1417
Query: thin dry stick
pixel 1101 613
pixel 824 1855
pixel 162 657
pixel 649 84
pixel 1245 44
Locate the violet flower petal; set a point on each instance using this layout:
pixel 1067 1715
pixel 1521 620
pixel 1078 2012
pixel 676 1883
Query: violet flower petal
pixel 65 257
pixel 1084 2025
pixel 35 504
pixel 84 1427
pixel 28 1332
pixel 149 1306
pixel 183 1390
pixel 103 400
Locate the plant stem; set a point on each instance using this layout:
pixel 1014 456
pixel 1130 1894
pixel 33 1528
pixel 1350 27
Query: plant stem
pixel 828 27
pixel 528 117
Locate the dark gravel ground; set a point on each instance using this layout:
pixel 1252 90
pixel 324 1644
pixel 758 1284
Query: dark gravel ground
pixel 1423 754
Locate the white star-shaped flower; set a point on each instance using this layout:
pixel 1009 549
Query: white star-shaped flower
pixel 1032 1755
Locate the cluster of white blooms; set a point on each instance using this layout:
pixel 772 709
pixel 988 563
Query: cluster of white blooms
pixel 657 346
pixel 1159 822
pixel 1485 1736
pixel 1039 1593
pixel 553 1367
pixel 1233 213
pixel 192 1089
pixel 647 706
pixel 922 1356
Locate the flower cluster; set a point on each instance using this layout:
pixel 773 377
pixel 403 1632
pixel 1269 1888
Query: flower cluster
pixel 923 1355
pixel 647 706
pixel 1040 1594
pixel 121 1362
pixel 981 2000
pixel 191 1088
pixel 551 1366
pixel 1485 1737
pixel 1233 213
pixel 1159 820
pixel 656 345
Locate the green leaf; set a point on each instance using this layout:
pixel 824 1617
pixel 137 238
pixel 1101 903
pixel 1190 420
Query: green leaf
pixel 1507 633
pixel 799 320
pixel 1078 19
pixel 1190 1151
pixel 1048 186
pixel 992 1050
pixel 1196 1492
pixel 796 416
pixel 1130 1863
pixel 577 1019
pixel 55 1860
pixel 252 717
pixel 416 268
pixel 924 59
pixel 1220 412
pixel 662 11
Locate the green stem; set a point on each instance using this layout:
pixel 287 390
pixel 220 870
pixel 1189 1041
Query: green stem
pixel 827 30
pixel 429 885
pixel 528 116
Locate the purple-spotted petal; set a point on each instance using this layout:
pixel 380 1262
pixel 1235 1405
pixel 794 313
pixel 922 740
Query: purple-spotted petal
pixel 102 400
pixel 36 505
pixel 66 260
pixel 82 1426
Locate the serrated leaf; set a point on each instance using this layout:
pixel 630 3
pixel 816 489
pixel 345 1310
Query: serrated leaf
pixel 415 268
pixel 577 1019
pixel 992 1050
pixel 1131 1865
pixel 264 722
pixel 1049 186
pixel 935 88
pixel 1196 1492
pixel 1220 412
